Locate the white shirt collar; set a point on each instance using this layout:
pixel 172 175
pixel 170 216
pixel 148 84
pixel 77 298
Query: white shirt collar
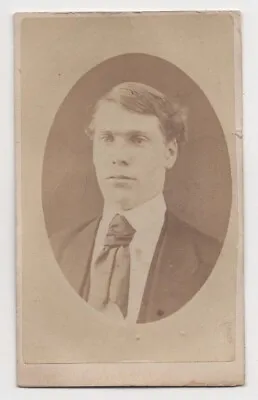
pixel 141 217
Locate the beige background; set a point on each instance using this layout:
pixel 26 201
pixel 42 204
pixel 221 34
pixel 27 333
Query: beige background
pixel 56 324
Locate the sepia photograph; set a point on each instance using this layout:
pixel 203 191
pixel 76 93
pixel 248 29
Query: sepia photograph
pixel 136 260
pixel 129 199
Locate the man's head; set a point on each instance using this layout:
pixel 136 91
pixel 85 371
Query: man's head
pixel 136 132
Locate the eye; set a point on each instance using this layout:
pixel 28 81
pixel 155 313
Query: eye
pixel 107 137
pixel 138 139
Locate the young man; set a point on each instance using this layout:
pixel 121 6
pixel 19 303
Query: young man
pixel 137 262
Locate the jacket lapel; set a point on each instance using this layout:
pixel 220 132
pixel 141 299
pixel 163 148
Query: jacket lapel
pixel 145 309
pixel 173 274
pixel 76 255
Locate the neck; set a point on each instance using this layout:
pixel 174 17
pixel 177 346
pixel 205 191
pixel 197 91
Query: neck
pixel 123 206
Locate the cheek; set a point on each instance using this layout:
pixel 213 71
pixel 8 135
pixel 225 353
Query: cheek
pixel 98 164
pixel 151 162
pixel 99 155
pixel 102 154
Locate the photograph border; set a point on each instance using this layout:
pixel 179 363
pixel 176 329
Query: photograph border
pixel 134 374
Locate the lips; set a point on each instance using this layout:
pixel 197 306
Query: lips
pixel 121 177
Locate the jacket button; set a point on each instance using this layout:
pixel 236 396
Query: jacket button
pixel 160 313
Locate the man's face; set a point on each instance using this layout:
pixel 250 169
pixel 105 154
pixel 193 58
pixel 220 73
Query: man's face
pixel 130 155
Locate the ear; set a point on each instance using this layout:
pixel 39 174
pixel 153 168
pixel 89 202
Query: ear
pixel 171 153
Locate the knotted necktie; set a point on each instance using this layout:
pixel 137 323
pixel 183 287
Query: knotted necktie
pixel 111 276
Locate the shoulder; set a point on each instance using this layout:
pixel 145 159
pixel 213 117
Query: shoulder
pixel 206 247
pixel 68 237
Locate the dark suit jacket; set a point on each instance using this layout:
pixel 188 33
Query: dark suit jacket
pixel 183 260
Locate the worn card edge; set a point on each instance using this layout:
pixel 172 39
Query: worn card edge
pixel 133 374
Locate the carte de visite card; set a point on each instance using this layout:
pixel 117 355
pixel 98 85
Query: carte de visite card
pixel 129 199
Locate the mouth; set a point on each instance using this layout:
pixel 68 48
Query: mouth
pixel 121 178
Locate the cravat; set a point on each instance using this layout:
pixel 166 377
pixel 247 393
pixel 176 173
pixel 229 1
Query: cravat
pixel 111 278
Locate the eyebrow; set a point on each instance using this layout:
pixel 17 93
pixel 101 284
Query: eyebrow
pixel 128 133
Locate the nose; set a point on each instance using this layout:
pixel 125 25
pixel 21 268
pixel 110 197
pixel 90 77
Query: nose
pixel 121 154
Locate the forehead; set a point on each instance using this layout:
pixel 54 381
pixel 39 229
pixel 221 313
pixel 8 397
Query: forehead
pixel 113 117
